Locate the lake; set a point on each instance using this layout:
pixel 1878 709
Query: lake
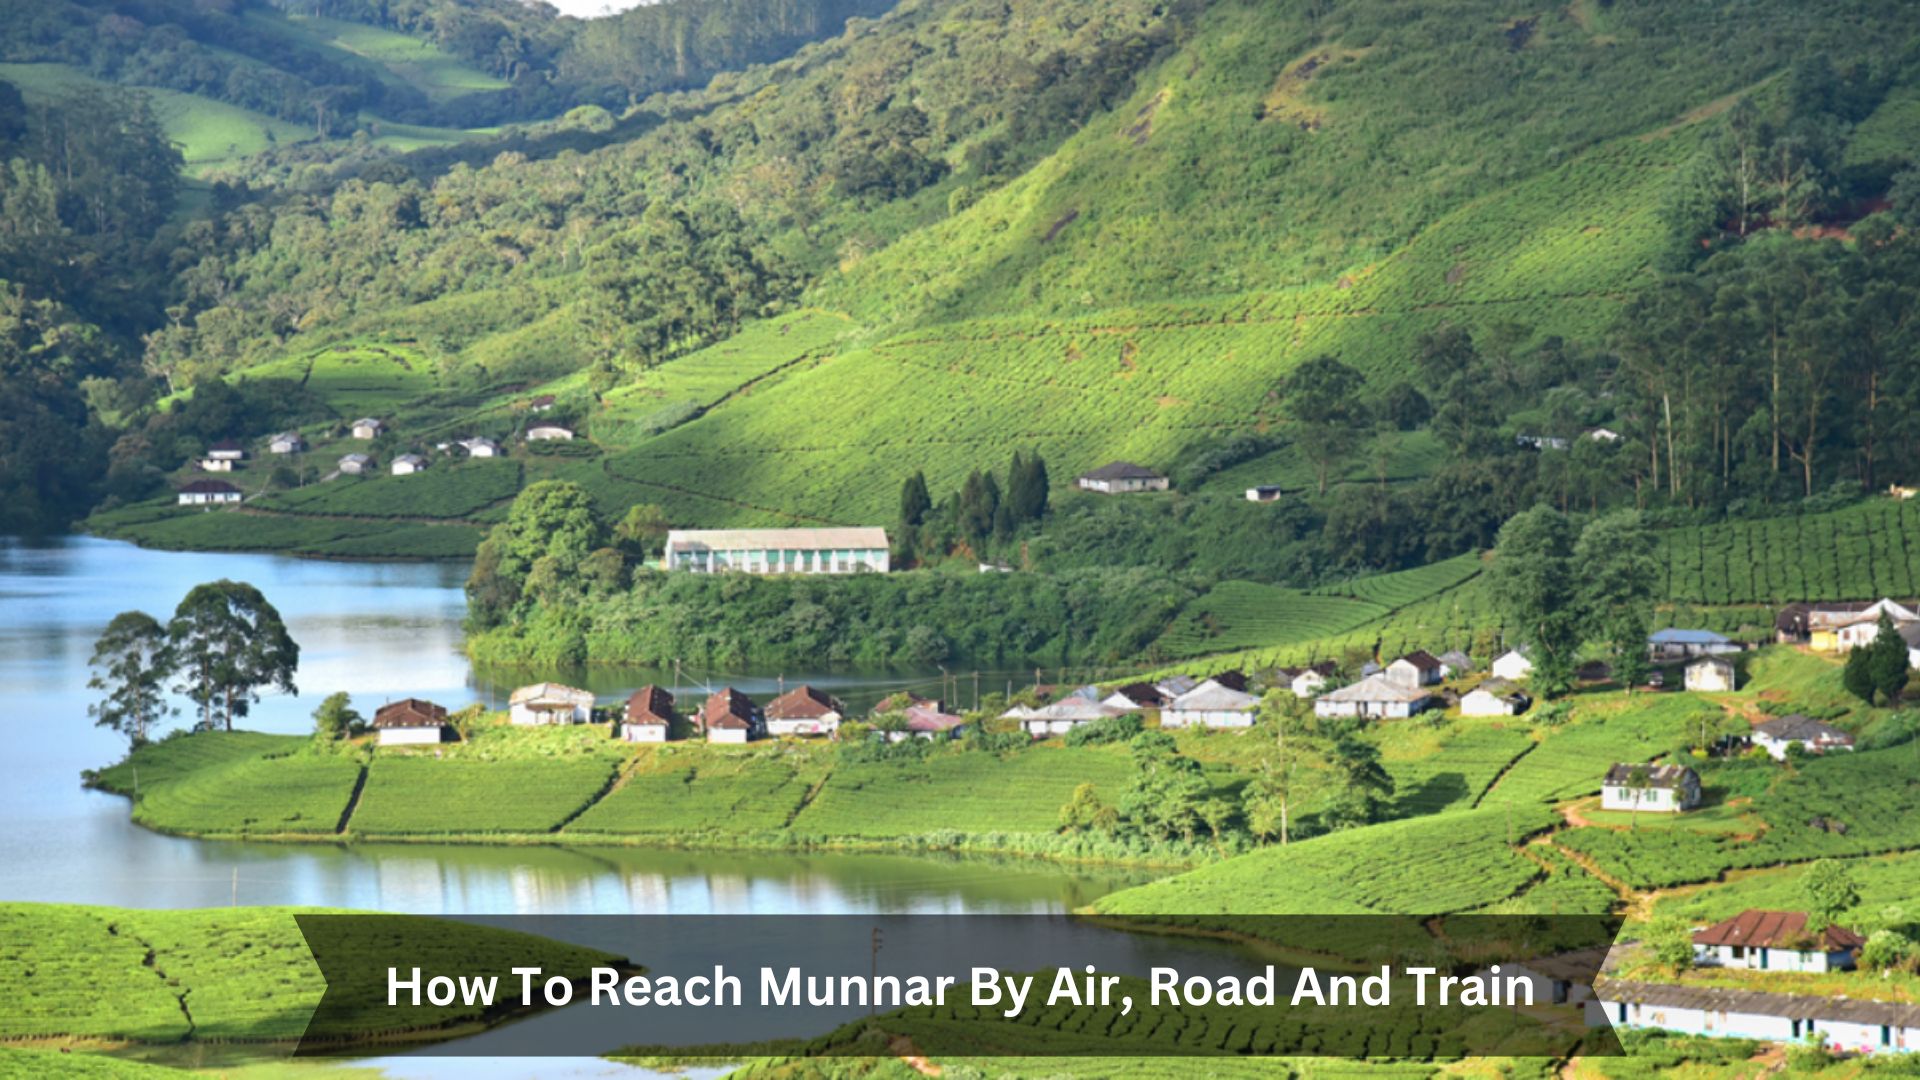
pixel 382 631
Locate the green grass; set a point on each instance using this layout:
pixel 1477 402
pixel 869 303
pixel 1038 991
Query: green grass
pixel 447 490
pixel 1884 881
pixel 438 73
pixel 1410 455
pixel 961 792
pixel 169 527
pixel 1870 793
pixel 355 379
pixel 300 793
pixel 1398 589
pixel 1451 776
pixel 242 973
pixel 416 795
pixel 1421 866
pixel 1571 760
pixel 1243 614
pixel 691 790
pixel 187 754
pixel 209 132
pixel 672 393
pixel 1862 552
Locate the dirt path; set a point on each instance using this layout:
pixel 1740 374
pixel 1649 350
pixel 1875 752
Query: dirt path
pixel 353 800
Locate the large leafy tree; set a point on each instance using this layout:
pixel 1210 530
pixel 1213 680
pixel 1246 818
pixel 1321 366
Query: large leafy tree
pixel 1536 583
pixel 536 554
pixel 229 643
pixel 1322 398
pixel 131 663
pixel 1617 577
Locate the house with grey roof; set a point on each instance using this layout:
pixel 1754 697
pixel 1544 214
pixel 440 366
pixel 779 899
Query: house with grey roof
pixel 1212 704
pixel 1376 697
pixel 1813 736
pixel 1677 644
pixel 1121 477
pixel 1847 1025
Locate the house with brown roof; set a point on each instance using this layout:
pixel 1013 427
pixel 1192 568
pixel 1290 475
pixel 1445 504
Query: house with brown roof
pixel 928 722
pixel 550 703
pixel 649 716
pixel 208 493
pixel 804 710
pixel 730 716
pixel 410 722
pixel 1136 696
pixel 1757 940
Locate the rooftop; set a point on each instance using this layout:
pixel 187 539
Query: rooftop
pixel 1376 688
pixel 865 536
pixel 1121 470
pixel 1658 776
pixel 1673 636
pixel 1773 929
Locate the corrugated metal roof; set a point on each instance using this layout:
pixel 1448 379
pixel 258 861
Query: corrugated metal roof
pixel 860 536
pixel 1674 636
pixel 1376 688
pixel 1210 696
pixel 1760 1003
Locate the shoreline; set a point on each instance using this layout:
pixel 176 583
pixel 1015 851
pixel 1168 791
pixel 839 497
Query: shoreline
pixel 917 844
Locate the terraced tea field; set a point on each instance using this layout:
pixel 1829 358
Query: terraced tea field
pixel 971 792
pixel 1862 552
pixel 1243 614
pixel 445 490
pixel 423 796
pixel 677 792
pixel 301 793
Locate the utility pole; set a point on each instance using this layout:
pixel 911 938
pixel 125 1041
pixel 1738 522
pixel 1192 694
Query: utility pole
pixel 976 691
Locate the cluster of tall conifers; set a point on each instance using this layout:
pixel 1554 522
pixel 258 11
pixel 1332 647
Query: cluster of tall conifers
pixel 979 516
pixel 224 644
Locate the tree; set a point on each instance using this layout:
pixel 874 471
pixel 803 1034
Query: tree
pixel 536 554
pixel 230 643
pixel 1670 939
pixel 336 719
pixel 1365 783
pixel 1887 661
pixel 914 501
pixel 642 530
pixel 1087 811
pixel 131 663
pixel 1830 892
pixel 1322 398
pixel 1857 675
pixel 1617 578
pixel 1537 586
pixel 1639 782
pixel 1168 787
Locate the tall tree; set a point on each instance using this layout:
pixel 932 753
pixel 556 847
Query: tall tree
pixel 1617 577
pixel 230 643
pixel 1536 584
pixel 1322 398
pixel 131 663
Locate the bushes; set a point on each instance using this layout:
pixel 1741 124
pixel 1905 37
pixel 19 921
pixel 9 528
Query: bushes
pixel 1113 729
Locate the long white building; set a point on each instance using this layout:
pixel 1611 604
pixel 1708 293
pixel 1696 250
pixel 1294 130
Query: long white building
pixel 779 551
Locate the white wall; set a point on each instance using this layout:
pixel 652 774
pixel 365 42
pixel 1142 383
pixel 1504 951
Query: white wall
pixel 409 736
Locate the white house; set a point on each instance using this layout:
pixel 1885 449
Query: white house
pixel 1757 940
pixel 649 716
pixel 1863 628
pixel 550 703
pixel 1121 477
pixel 730 716
pixel 208 493
pixel 1417 668
pixel 1454 663
pixel 410 722
pixel 227 450
pixel 1711 674
pixel 1211 705
pixel 1373 696
pixel 1307 681
pixel 1676 644
pixel 1513 665
pixel 778 551
pixel 548 433
pixel 1601 434
pixel 214 464
pixel 1264 493
pixel 480 446
pixel 1667 789
pixel 1847 1025
pixel 926 721
pixel 1809 734
pixel 287 442
pixel 803 711
pixel 1060 717
pixel 368 428
pixel 1495 697
pixel 408 464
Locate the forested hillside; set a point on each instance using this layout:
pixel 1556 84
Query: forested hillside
pixel 1114 229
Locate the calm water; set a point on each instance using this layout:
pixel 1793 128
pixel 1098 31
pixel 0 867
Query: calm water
pixel 381 631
